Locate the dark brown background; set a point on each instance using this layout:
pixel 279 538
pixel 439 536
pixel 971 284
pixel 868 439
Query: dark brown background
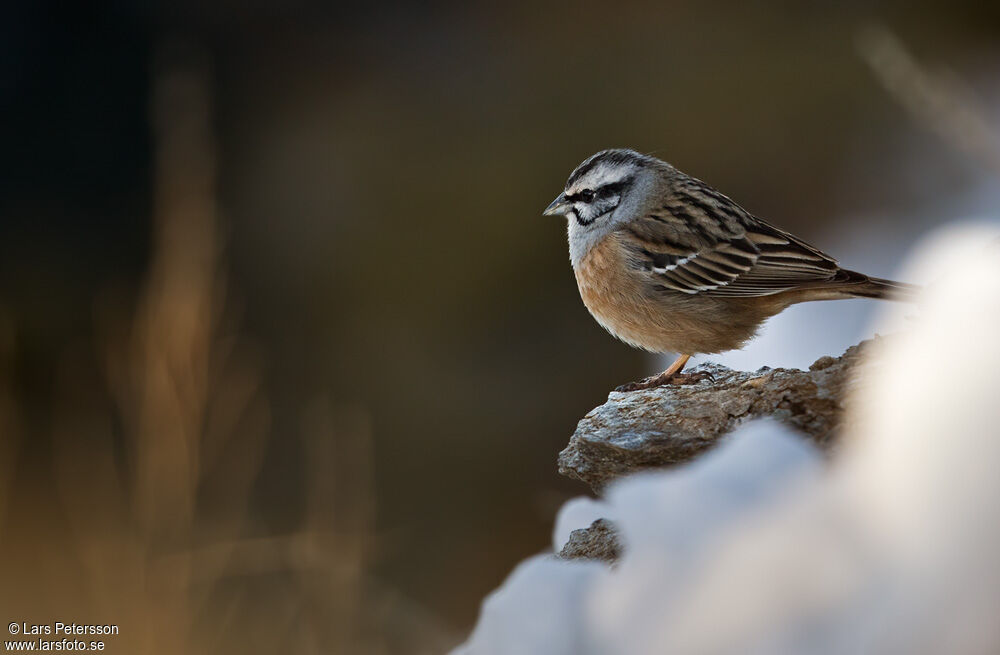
pixel 381 172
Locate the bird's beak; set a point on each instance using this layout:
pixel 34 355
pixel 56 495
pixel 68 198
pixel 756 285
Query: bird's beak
pixel 558 207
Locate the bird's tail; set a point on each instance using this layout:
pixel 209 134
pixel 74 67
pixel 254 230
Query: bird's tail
pixel 863 286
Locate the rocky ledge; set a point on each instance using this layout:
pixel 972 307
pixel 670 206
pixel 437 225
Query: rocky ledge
pixel 599 541
pixel 653 428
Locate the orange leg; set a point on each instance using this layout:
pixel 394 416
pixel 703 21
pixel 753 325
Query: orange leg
pixel 658 380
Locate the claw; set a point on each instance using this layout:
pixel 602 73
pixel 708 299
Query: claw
pixel 678 379
pixel 691 378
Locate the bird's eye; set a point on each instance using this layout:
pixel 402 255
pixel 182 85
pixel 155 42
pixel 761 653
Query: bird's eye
pixel 586 195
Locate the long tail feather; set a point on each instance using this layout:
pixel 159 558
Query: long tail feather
pixel 874 287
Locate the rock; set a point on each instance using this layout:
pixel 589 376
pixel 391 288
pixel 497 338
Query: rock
pixel 668 425
pixel 599 541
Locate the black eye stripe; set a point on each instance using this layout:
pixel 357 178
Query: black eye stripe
pixel 611 189
pixel 587 195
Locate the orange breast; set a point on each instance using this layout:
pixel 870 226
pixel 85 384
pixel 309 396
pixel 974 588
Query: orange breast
pixel 616 298
pixel 623 301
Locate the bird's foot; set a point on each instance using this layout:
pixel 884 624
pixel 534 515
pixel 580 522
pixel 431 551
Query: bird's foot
pixel 647 383
pixel 674 379
pixel 691 378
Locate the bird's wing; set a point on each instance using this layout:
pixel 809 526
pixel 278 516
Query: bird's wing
pixel 701 242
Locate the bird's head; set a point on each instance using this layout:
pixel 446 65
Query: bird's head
pixel 597 186
pixel 607 189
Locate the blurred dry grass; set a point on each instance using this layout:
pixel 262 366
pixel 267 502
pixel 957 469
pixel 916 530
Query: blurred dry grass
pixel 939 99
pixel 10 429
pixel 147 522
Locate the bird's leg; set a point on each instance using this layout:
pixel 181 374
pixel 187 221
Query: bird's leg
pixel 673 372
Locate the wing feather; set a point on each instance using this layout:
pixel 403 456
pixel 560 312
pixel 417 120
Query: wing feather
pixel 701 242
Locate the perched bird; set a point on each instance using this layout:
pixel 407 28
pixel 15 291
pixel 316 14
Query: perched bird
pixel 666 263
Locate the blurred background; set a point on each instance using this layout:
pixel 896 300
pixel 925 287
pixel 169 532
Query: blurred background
pixel 287 350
